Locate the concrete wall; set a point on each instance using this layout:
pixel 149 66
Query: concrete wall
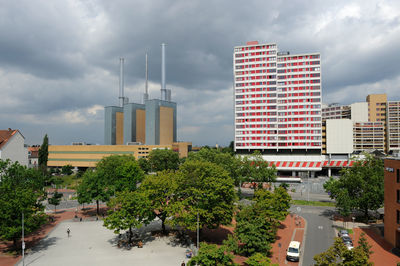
pixel 359 112
pixel 339 136
pixel 119 128
pixel 130 122
pixel 110 124
pixel 141 126
pixel 166 125
pixel 15 150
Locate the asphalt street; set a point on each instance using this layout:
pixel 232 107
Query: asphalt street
pixel 319 235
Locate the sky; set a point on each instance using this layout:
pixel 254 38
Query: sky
pixel 59 60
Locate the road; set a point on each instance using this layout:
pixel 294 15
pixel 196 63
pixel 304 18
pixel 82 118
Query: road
pixel 319 233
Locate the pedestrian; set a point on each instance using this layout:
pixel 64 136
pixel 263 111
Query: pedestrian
pixel 68 232
pixel 183 263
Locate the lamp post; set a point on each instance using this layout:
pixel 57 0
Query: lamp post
pixel 23 242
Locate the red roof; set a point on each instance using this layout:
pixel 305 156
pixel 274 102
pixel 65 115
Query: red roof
pixel 5 135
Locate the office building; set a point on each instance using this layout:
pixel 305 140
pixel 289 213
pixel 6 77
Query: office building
pixel 277 100
pixel 393 126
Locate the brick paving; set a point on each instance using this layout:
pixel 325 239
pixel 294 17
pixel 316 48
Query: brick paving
pixel 30 240
pixel 381 248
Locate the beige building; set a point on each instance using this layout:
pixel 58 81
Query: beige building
pixel 89 155
pixel 393 126
pixel 368 136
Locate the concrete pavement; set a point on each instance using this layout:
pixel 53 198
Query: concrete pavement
pixel 92 244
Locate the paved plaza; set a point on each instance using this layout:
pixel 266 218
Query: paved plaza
pixel 92 244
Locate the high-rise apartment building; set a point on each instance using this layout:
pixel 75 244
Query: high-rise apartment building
pixel 277 100
pixel 393 126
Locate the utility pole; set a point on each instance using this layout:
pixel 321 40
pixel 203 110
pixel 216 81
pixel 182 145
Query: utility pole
pixel 23 242
pixel 197 232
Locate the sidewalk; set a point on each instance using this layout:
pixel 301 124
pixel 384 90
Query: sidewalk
pixel 32 239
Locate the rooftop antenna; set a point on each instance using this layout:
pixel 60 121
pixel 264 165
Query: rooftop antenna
pixel 146 87
pixel 121 82
pixel 163 89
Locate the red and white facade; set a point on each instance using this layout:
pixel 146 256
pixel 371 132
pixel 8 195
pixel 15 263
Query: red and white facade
pixel 277 100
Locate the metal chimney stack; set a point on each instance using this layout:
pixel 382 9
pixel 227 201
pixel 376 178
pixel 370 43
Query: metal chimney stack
pixel 146 88
pixel 163 89
pixel 121 82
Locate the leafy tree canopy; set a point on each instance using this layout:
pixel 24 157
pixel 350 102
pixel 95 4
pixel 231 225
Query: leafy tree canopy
pixel 21 191
pixel 206 189
pixel 359 187
pixel 128 210
pixel 211 255
pixel 163 159
pixel 160 189
pixel 338 254
pixel 258 259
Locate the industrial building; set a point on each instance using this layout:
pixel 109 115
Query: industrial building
pixel 152 122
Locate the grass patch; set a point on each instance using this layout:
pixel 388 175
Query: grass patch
pixel 313 203
pixel 68 181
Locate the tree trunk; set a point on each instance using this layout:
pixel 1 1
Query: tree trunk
pixel 130 234
pixel 15 243
pixel 98 210
pixel 366 214
pixel 163 225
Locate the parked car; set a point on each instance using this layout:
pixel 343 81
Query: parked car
pixel 347 242
pixel 293 251
pixel 343 233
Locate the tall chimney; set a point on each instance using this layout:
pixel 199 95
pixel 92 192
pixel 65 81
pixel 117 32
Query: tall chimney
pixel 146 88
pixel 163 89
pixel 121 82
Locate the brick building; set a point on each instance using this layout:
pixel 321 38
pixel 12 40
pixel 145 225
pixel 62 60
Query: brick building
pixel 392 201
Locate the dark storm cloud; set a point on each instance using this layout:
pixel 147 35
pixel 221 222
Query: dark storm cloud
pixel 59 59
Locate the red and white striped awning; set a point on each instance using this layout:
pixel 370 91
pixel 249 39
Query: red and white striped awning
pixel 310 164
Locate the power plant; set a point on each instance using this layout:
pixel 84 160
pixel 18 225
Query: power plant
pixel 151 122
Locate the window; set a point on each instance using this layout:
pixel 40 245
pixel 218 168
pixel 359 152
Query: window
pixel 398 175
pixel 398 196
pixel 398 217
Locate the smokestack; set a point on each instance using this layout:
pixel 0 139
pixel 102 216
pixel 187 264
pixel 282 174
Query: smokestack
pixel 163 89
pixel 146 88
pixel 121 82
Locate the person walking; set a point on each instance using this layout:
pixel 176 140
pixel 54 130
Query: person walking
pixel 183 263
pixel 68 232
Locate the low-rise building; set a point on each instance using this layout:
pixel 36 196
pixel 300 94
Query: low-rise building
pixel 89 155
pixel 12 146
pixel 33 156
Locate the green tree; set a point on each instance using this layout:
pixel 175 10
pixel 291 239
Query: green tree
pixel 260 171
pixel 119 173
pixel 211 255
pixel 227 161
pixel 160 189
pixel 67 169
pixel 338 254
pixel 128 210
pixel 258 259
pixel 92 188
pixel 144 165
pixel 44 153
pixel 21 191
pixel 359 187
pixel 163 159
pixel 55 199
pixel 257 224
pixel 203 189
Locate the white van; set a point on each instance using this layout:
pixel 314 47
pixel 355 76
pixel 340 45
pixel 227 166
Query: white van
pixel 293 251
